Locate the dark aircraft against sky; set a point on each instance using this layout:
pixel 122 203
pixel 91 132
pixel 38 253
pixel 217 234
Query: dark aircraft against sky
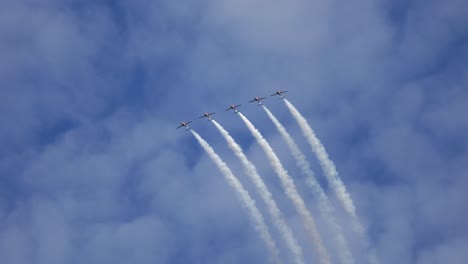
pixel 280 93
pixel 258 100
pixel 207 115
pixel 232 107
pixel 184 124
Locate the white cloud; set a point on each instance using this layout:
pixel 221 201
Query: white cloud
pixel 385 94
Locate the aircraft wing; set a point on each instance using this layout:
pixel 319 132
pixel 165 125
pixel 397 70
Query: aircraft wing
pixel 252 101
pixel 179 126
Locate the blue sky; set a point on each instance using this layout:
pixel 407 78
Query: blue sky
pixel 92 169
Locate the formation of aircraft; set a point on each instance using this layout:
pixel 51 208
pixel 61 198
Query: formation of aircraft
pixel 235 108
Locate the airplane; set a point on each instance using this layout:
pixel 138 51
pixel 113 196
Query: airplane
pixel 233 107
pixel 207 115
pixel 280 93
pixel 184 124
pixel 257 99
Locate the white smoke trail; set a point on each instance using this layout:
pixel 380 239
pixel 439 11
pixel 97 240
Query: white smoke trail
pixel 265 194
pixel 331 174
pixel 244 197
pixel 291 192
pixel 324 204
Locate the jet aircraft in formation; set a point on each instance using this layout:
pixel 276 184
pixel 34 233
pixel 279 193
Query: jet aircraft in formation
pixel 232 107
pixel 258 100
pixel 184 124
pixel 280 93
pixel 207 115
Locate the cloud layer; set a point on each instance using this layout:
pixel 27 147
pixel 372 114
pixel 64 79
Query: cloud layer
pixel 91 169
